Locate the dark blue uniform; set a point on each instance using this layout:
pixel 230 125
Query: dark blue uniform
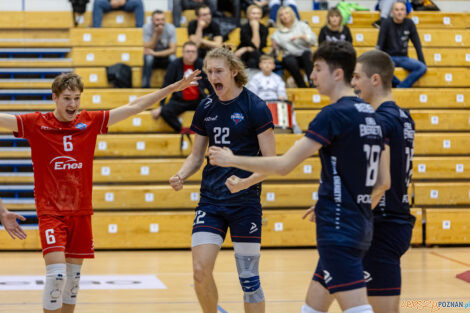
pixel 352 144
pixel 393 222
pixel 234 124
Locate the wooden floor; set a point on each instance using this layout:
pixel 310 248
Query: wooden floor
pixel 428 275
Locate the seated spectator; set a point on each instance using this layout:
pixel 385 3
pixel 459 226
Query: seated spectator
pixel 187 99
pixel 159 45
pixel 180 5
pixel 394 35
pixel 253 37
pixel 334 30
pixel 274 6
pixel 232 6
pixel 204 32
pixel 103 6
pixel 384 6
pixel 295 40
pixel 263 4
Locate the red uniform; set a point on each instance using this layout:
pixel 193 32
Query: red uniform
pixel 62 155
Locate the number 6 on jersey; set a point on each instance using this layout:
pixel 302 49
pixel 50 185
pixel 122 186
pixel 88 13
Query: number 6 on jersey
pixel 68 146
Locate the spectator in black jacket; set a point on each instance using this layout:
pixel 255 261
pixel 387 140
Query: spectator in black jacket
pixel 187 99
pixel 204 31
pixel 253 37
pixel 334 30
pixel 393 39
pixel 180 5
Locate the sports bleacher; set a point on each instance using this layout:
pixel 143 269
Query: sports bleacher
pixel 134 205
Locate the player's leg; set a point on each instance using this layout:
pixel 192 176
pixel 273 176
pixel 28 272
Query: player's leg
pixel 318 299
pixel 208 235
pixel 79 246
pixel 382 266
pixel 344 277
pixel 52 231
pixel 245 229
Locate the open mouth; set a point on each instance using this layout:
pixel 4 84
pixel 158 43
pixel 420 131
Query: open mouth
pixel 218 86
pixel 357 91
pixel 70 111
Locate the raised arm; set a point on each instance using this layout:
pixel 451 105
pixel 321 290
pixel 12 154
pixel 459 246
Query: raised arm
pixel 280 165
pixel 192 163
pixel 383 178
pixel 144 102
pixel 8 121
pixel 267 144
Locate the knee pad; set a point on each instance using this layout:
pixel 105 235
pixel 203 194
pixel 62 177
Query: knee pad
pixel 308 309
pixel 366 308
pixel 54 286
pixel 248 272
pixel 71 284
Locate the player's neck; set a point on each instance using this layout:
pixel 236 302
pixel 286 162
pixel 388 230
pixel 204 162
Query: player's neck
pixel 340 90
pixel 380 98
pixel 232 93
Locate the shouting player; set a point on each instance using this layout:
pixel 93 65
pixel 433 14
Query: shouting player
pixel 62 148
pixel 373 82
pixel 233 117
pixel 353 177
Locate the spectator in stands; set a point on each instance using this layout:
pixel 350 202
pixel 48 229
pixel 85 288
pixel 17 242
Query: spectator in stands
pixel 187 99
pixel 180 5
pixel 159 45
pixel 295 39
pixel 394 35
pixel 103 6
pixel 253 37
pixel 263 4
pixel 274 6
pixel 232 6
pixel 204 32
pixel 385 6
pixel 334 30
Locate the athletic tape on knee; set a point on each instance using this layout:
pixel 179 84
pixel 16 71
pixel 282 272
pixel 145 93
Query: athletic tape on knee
pixel 72 283
pixel 308 309
pixel 248 272
pixel 366 308
pixel 54 286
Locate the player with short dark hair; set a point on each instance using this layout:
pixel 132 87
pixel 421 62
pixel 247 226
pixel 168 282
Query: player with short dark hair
pixel 373 82
pixel 354 177
pixel 62 149
pixel 230 198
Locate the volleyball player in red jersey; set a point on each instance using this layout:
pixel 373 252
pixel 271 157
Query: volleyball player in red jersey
pixel 62 148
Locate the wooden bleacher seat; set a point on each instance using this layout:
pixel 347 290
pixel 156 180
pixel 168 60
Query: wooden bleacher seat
pixel 417 234
pixel 441 167
pixel 29 77
pixel 455 143
pixel 95 77
pixel 35 20
pixel 106 37
pixel 34 57
pixel 441 193
pixel 100 56
pixel 447 226
pixel 34 38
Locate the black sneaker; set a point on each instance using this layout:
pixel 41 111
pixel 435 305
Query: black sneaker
pixel 377 23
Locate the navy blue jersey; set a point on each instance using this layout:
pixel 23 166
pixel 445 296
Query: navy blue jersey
pixel 234 124
pixel 398 130
pixel 352 143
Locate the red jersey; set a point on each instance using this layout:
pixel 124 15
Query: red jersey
pixel 192 92
pixel 62 155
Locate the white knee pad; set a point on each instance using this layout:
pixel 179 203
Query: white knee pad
pixel 248 272
pixel 72 283
pixel 55 282
pixel 308 309
pixel 366 308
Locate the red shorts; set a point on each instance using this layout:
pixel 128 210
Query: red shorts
pixel 71 234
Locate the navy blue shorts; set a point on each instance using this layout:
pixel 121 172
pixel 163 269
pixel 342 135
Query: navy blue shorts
pixel 244 222
pixel 382 262
pixel 340 268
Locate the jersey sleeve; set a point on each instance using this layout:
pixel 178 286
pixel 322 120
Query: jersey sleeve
pixel 386 125
pixel 26 124
pixel 324 127
pixel 100 121
pixel 198 125
pixel 261 117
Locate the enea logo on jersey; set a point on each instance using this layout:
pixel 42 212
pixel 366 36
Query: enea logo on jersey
pixel 62 163
pixel 237 118
pixel 81 126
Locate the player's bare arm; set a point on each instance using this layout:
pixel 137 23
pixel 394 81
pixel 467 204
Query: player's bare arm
pixel 144 102
pixel 8 121
pixel 192 163
pixel 383 178
pixel 9 222
pixel 267 144
pixel 280 165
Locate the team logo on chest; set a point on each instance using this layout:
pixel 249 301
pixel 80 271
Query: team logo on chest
pixel 81 126
pixel 237 118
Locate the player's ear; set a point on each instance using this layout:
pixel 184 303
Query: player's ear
pixel 338 74
pixel 376 80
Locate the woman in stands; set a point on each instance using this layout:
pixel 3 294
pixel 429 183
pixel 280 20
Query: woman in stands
pixel 334 30
pixel 295 40
pixel 236 118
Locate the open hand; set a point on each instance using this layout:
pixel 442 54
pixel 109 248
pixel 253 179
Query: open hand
pixel 10 224
pixel 310 211
pixel 190 80
pixel 220 156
